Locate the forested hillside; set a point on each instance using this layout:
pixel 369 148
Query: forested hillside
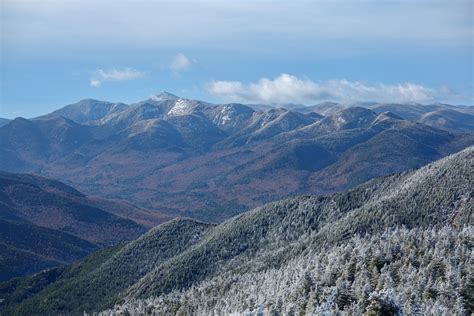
pixel 45 223
pixel 396 244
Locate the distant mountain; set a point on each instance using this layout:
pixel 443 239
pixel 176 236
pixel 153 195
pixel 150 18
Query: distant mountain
pixel 86 111
pixel 325 108
pixel 191 158
pixel 4 121
pixel 444 116
pixel 449 120
pixel 45 223
pixel 414 111
pixel 397 244
pixel 27 145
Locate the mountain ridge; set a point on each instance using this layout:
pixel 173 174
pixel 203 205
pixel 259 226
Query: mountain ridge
pixel 212 161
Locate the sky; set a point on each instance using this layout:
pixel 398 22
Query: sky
pixel 55 52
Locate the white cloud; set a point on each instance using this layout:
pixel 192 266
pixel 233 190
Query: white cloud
pixel 290 89
pixel 125 74
pixel 181 63
pixel 95 83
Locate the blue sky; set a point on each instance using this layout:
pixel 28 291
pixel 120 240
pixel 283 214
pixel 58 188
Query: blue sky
pixel 58 52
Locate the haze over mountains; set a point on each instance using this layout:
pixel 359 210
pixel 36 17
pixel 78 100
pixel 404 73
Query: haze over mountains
pixel 354 252
pixel 212 161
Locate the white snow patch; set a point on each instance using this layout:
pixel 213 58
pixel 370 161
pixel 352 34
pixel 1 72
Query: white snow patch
pixel 225 115
pixel 225 119
pixel 181 107
pixel 341 120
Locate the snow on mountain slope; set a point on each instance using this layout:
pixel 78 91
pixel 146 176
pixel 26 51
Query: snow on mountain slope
pixel 182 107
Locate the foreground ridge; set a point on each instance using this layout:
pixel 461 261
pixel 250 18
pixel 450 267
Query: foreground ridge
pixel 354 251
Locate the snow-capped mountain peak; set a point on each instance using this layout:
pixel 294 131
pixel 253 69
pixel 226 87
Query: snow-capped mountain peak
pixel 164 96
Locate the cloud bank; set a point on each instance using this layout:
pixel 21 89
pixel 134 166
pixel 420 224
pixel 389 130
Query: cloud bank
pixel 287 88
pixel 125 74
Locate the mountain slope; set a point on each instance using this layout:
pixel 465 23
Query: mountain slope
pixel 45 223
pixel 86 111
pixel 83 285
pixel 3 121
pixel 387 152
pixel 300 254
pixel 28 145
pixel 449 120
pixel 27 248
pixel 54 205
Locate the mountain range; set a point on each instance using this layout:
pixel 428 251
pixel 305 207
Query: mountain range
pixel 350 252
pixel 182 157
